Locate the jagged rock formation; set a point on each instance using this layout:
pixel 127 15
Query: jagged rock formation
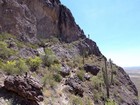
pixel 30 20
pixel 25 87
pixel 27 18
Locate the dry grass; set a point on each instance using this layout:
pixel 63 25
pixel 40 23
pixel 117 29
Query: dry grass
pixel 47 93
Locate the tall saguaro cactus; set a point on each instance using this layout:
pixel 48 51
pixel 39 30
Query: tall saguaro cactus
pixel 105 76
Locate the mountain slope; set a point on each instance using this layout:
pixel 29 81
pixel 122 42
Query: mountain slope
pixel 40 39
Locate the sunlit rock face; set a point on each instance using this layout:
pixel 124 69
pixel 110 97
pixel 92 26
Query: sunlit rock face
pixel 42 18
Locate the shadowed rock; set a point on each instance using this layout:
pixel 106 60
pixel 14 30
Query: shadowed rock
pixel 92 69
pixel 25 87
pixel 75 85
pixel 65 70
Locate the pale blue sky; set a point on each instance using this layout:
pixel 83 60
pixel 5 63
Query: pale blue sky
pixel 113 24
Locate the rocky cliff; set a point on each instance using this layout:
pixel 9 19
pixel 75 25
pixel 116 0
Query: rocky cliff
pixel 46 18
pixel 40 39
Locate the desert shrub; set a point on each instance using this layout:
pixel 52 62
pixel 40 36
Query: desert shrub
pixel 49 58
pixel 54 40
pixel 22 66
pixel 57 77
pixel 97 82
pixel 110 102
pixel 75 100
pixel 44 80
pixel 48 51
pixel 48 80
pixel 77 61
pixel 47 93
pixel 5 36
pixel 34 63
pixel 10 67
pixel 81 74
pixel 55 68
pixel 88 101
pixel 14 67
pixel 5 52
pixel 70 64
pixel 1 63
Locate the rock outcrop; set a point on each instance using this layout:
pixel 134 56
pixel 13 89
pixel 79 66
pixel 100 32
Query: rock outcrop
pixel 92 69
pixel 76 86
pixel 25 87
pixel 65 70
pixel 27 19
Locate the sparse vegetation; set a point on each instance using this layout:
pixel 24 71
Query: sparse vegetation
pixel 81 74
pixel 15 66
pixel 5 52
pixel 10 67
pixel 22 66
pixel 34 63
pixel 110 102
pixel 49 58
pixel 75 100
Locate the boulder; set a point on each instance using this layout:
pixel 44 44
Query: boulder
pixel 65 70
pixel 26 87
pixel 75 86
pixel 92 69
pixel 87 76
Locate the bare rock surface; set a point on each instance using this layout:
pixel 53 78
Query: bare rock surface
pixel 76 85
pixel 27 19
pixel 91 68
pixel 25 87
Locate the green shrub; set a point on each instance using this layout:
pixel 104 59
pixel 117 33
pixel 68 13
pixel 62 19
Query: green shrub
pixel 48 79
pixel 97 82
pixel 49 58
pixel 88 101
pixel 81 74
pixel 34 63
pixel 75 100
pixel 57 77
pixel 5 36
pixel 5 52
pixel 48 51
pixel 55 68
pixel 14 67
pixel 110 102
pixel 44 80
pixel 97 95
pixel 10 67
pixel 22 66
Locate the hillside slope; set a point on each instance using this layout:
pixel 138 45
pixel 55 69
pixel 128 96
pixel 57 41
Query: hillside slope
pixel 46 59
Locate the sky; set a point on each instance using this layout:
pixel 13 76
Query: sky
pixel 113 24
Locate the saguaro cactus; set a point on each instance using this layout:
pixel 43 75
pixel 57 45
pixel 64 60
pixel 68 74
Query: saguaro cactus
pixel 105 76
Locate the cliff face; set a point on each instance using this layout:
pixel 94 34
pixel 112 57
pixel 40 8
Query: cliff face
pixel 45 18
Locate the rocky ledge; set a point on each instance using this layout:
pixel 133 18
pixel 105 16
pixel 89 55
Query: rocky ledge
pixel 25 87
